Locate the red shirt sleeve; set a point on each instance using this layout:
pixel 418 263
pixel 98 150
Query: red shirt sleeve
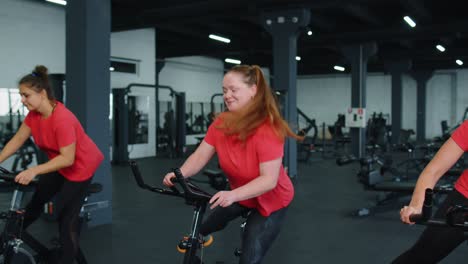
pixel 210 136
pixel 65 134
pixel 460 136
pixel 269 145
pixel 27 119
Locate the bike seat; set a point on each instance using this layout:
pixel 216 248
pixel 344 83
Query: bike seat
pixel 197 193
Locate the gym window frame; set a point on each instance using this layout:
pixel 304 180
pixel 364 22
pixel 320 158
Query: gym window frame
pixel 124 65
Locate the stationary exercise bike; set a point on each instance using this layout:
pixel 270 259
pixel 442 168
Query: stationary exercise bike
pixel 13 239
pixel 193 196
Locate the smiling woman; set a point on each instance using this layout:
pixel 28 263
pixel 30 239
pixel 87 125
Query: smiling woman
pixel 249 141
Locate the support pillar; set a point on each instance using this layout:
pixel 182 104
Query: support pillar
pixel 421 78
pixel 358 56
pixel 88 85
pixel 284 27
pixel 396 69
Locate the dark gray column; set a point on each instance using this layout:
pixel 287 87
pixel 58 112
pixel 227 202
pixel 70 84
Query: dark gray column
pixel 421 78
pixel 358 56
pixel 159 66
pixel 88 84
pixel 396 69
pixel 120 127
pixel 284 27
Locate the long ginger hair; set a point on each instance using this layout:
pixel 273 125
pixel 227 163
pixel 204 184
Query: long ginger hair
pixel 262 108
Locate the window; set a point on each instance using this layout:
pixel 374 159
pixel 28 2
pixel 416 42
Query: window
pixel 11 99
pixel 12 111
pixel 124 65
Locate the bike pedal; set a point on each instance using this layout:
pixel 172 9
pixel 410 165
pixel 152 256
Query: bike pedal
pixel 182 248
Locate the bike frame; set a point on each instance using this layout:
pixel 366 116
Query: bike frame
pixel 193 196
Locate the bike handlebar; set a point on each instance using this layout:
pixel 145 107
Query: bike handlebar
pixel 7 175
pixel 8 180
pixel 191 192
pixel 5 171
pixel 451 214
pixel 426 212
pixel 141 183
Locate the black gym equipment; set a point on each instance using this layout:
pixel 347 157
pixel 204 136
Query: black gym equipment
pixel 305 147
pixel 340 139
pixel 378 132
pixel 216 179
pixel 196 123
pixel 119 126
pixel 193 196
pixel 456 215
pixel 25 155
pixel 58 83
pixel 13 238
pixel 447 131
pixel 173 133
pixel 372 176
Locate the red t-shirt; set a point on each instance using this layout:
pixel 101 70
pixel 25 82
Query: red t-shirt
pixel 460 136
pixel 241 164
pixel 59 130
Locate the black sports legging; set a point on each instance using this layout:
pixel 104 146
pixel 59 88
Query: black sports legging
pixel 259 233
pixel 69 200
pixel 436 243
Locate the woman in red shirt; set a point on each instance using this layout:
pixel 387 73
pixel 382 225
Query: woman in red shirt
pixel 436 243
pixel 73 158
pixel 249 142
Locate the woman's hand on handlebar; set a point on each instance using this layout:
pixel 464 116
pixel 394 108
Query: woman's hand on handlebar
pixel 406 212
pixel 223 199
pixel 25 177
pixel 168 179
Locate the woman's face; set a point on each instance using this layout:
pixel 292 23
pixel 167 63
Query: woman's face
pixel 30 98
pixel 236 92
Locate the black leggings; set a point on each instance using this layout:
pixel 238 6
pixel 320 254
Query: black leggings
pixel 436 243
pixel 69 200
pixel 259 233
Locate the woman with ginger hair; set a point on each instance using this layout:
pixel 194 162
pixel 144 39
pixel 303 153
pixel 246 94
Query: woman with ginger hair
pixel 249 141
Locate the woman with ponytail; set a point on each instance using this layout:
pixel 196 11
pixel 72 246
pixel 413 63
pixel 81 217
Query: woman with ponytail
pixel 73 158
pixel 249 141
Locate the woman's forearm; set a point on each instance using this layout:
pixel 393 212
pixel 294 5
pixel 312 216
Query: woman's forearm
pixel 55 164
pixel 427 179
pixel 192 165
pixel 256 187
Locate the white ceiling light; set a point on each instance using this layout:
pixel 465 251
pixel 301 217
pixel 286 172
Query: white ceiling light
pixel 440 48
pixel 219 38
pixel 309 32
pixel 338 68
pixel 111 68
pixel 459 62
pixel 298 58
pixel 233 61
pixel 60 2
pixel 409 21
